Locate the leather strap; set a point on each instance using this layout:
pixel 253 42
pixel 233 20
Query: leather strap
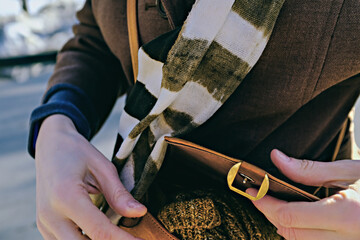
pixel 337 149
pixel 150 229
pixel 133 34
pixel 335 153
pixel 339 141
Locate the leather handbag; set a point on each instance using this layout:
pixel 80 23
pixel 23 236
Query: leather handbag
pixel 229 172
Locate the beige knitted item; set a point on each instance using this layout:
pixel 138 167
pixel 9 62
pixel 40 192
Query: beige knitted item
pixel 211 215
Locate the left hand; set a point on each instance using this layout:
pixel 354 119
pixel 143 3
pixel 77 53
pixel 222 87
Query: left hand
pixel 335 217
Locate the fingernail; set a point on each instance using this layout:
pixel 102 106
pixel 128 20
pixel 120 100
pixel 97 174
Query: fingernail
pixel 282 156
pixel 134 204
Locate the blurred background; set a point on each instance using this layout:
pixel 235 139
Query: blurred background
pixel 31 33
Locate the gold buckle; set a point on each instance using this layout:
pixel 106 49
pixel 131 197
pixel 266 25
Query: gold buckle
pixel 231 178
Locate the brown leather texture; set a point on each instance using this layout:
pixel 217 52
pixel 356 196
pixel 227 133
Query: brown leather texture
pixel 133 34
pixel 150 229
pixel 216 166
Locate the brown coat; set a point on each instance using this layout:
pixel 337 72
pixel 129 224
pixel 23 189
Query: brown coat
pixel 295 99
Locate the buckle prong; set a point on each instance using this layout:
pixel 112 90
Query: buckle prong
pixel 264 187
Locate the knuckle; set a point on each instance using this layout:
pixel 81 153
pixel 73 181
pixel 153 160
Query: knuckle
pixel 107 167
pixel 57 196
pixel 41 212
pixel 118 194
pixel 100 234
pixel 40 227
pixel 111 167
pixel 306 164
pixel 64 195
pixel 110 170
pixel 289 234
pixel 285 218
pixel 351 194
pixel 350 206
pixel 107 171
pixel 38 223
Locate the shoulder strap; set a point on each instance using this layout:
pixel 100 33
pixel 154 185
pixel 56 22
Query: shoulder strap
pixel 335 153
pixel 133 34
pixel 339 141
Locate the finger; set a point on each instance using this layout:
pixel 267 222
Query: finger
pixel 308 234
pixel 115 193
pixel 93 222
pixel 263 205
pixel 60 227
pixel 309 215
pixel 44 232
pixel 313 173
pixel 48 236
pixel 355 186
pixel 66 229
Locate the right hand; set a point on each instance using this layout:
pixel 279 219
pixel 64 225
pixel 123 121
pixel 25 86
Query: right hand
pixel 68 168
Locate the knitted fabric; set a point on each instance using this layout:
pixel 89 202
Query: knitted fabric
pixel 184 78
pixel 191 219
pixel 212 215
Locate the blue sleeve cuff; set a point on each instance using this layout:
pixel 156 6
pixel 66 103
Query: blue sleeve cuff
pixel 70 101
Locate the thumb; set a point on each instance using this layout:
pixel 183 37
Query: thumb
pixel 119 199
pixel 313 173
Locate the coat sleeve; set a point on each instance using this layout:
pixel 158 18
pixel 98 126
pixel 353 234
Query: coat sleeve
pixel 86 82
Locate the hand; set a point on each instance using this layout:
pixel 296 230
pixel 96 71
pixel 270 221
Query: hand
pixel 336 217
pixel 68 168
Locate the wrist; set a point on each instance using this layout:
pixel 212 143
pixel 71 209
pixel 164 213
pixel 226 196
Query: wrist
pixel 57 122
pixel 52 128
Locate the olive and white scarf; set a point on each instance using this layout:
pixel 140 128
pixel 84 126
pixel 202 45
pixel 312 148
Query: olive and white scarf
pixel 184 78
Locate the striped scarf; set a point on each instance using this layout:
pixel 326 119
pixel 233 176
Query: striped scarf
pixel 185 76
